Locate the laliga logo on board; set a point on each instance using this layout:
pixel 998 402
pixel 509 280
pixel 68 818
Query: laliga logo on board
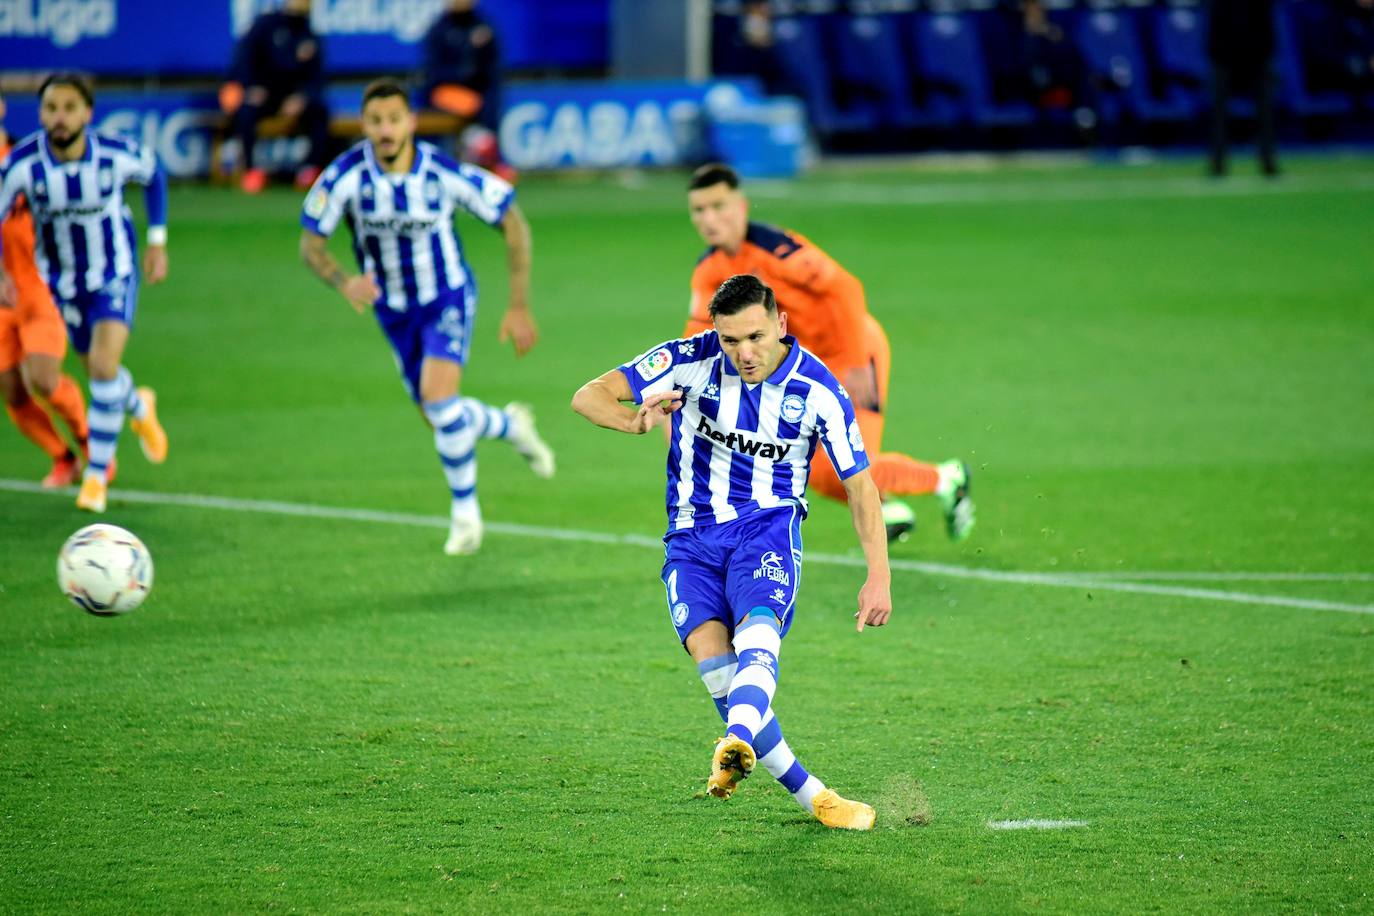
pixel 405 20
pixel 65 22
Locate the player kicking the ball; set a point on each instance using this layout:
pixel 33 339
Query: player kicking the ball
pixel 746 406
pixel 399 198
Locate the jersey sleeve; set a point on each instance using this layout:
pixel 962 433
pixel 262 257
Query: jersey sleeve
pixel 140 165
pixel 479 192
pixel 653 371
pixel 838 429
pixel 328 199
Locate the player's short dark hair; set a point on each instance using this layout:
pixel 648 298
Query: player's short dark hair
pixel 714 173
pixel 739 293
pixel 82 85
pixel 385 88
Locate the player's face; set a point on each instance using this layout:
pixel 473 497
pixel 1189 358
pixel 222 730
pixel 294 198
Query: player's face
pixel 752 339
pixel 64 115
pixel 720 214
pixel 389 125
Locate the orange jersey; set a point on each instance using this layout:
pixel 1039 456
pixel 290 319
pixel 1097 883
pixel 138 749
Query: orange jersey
pixel 34 324
pixel 825 304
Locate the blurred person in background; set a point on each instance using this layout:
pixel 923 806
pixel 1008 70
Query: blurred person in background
pixel 278 68
pixel 461 74
pixel 1055 74
pixel 1240 44
pixel 33 343
pixel 73 178
pixel 751 49
pixel 827 311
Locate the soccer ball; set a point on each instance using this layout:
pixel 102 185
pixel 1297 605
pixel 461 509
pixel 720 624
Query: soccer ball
pixel 105 570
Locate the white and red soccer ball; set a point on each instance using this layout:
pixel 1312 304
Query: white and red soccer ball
pixel 105 570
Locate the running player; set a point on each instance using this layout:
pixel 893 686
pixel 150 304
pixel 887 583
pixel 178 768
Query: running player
pixel 827 312
pixel 73 179
pixel 399 199
pixel 746 406
pixel 33 343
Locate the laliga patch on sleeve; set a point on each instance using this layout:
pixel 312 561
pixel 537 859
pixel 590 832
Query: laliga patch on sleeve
pixel 655 364
pixel 315 203
pixel 856 438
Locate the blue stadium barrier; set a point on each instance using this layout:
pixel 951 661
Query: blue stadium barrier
pixel 869 48
pixel 1303 30
pixel 1112 48
pixel 802 55
pixel 952 65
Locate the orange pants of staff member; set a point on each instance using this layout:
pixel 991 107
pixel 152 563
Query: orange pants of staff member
pixel 892 472
pixel 33 326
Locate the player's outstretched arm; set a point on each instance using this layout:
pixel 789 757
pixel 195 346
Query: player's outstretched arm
pixel 602 401
pixel 360 289
pixel 875 597
pixel 518 325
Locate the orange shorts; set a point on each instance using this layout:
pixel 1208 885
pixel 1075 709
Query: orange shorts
pixel 33 325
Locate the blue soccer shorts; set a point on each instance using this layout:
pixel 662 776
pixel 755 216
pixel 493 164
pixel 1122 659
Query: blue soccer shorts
pixel 115 302
pixel 440 330
pixel 722 572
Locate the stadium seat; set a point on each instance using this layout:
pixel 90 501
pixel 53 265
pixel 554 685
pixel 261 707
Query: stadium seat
pixel 952 70
pixel 1112 49
pixel 801 53
pixel 869 52
pixel 1303 30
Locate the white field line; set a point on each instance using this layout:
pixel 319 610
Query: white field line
pixel 1165 575
pixel 1035 823
pixel 917 193
pixel 302 510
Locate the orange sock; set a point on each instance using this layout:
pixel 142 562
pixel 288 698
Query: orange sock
pixel 901 474
pixel 70 406
pixel 33 421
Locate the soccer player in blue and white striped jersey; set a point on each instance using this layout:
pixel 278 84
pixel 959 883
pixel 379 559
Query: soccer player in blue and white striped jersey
pixel 73 179
pixel 748 406
pixel 399 198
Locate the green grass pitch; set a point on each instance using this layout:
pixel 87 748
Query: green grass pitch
pixel 1162 384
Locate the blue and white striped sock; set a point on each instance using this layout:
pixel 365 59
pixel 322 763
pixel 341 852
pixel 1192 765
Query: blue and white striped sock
pixel 455 438
pixel 490 422
pixel 777 758
pixel 133 404
pixel 770 746
pixel 106 419
pixel 757 643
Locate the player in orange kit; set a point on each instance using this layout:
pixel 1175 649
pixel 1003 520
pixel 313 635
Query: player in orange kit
pixel 827 312
pixel 33 342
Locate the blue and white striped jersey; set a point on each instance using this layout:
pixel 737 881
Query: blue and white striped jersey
pixel 402 225
pixel 85 233
pixel 738 448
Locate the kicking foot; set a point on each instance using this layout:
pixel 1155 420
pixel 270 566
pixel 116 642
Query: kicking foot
pixel 953 493
pixel 151 436
pixel 64 472
pixel 92 495
pixel 899 520
pixel 464 536
pixel 833 811
pixel 526 440
pixel 731 763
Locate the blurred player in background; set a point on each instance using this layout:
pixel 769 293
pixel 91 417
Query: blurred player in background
pixel 748 407
pixel 461 74
pixel 278 68
pixel 33 343
pixel 399 198
pixel 827 312
pixel 73 179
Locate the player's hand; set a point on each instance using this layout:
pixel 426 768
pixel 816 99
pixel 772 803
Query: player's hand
pixel 862 385
pixel 361 291
pixel 655 410
pixel 9 296
pixel 293 105
pixel 518 326
pixel 875 604
pixel 155 264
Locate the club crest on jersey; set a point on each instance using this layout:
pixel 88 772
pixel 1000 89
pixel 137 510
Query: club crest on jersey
pixel 655 364
pixel 680 611
pixel 793 407
pixel 770 568
pixel 743 444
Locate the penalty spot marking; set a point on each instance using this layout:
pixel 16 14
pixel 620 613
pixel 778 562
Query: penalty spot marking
pixel 1035 823
pixel 1052 580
